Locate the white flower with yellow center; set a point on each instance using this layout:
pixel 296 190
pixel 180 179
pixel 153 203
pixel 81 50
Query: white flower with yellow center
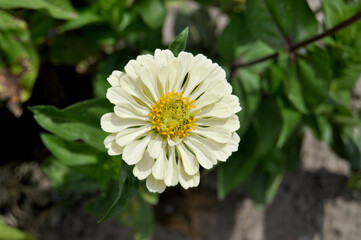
pixel 171 116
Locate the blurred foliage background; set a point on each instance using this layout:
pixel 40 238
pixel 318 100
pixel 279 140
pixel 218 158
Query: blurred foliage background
pixel 293 68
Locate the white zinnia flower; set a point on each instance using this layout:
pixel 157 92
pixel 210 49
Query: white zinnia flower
pixel 171 115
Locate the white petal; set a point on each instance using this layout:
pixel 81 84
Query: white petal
pixel 155 146
pixel 128 135
pixel 214 79
pixel 149 80
pixel 177 75
pixel 233 144
pixel 143 58
pixel 129 111
pixel 131 86
pixel 173 173
pixel 231 123
pixel 132 68
pixel 163 76
pixel 155 185
pixel 163 56
pixel 144 167
pixel 114 78
pixel 109 139
pixel 161 166
pixel 119 96
pixel 190 163
pixel 113 148
pixel 233 102
pixel 215 133
pixel 188 181
pixel 206 99
pixel 219 110
pixel 134 151
pixel 112 123
pixel 195 77
pixel 209 86
pixel 204 156
pixel 220 151
pixel 174 142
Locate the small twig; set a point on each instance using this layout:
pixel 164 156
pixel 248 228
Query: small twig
pixel 291 49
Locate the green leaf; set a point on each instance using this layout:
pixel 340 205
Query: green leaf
pixel 262 186
pixel 180 42
pixel 152 12
pixel 10 233
pixel 70 179
pixel 112 10
pixel 234 36
pixel 115 61
pixel 247 87
pixel 268 124
pixel 335 12
pixel 61 9
pixel 71 153
pixel 41 27
pixel 20 55
pixel 107 170
pixel 294 18
pixel 239 165
pixel 260 138
pixel 69 50
pixel 149 197
pixel 280 22
pixel 294 91
pixel 80 121
pixel 291 118
pixel 116 197
pixel 139 216
pixel 86 17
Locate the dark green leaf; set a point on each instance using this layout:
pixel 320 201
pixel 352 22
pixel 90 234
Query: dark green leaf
pixel 111 10
pixel 291 118
pixel 107 170
pixel 115 61
pixel 74 179
pixel 234 36
pixel 61 9
pixel 69 50
pixel 280 22
pixel 239 165
pixel 247 87
pixel 80 121
pixel 262 186
pixel 258 141
pixel 152 12
pixel 149 197
pixel 116 197
pixel 295 19
pixel 139 216
pixel 41 27
pixel 86 17
pixel 180 42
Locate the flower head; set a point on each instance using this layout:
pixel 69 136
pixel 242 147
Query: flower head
pixel 171 116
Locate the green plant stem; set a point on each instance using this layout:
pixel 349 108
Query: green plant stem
pixel 294 47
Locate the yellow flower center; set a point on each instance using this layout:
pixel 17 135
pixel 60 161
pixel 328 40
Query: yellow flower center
pixel 171 116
